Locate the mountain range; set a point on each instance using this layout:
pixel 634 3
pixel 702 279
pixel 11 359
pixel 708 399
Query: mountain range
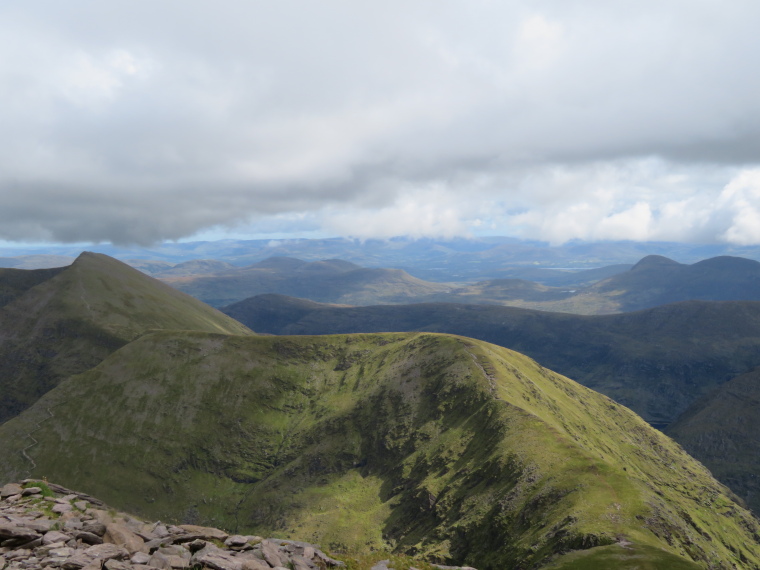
pixel 653 281
pixel 441 260
pixel 439 446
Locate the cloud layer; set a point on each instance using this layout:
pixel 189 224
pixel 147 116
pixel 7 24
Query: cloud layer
pixel 144 121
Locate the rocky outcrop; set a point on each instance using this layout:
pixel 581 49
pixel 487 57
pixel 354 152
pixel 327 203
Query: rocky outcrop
pixel 73 531
pixel 44 525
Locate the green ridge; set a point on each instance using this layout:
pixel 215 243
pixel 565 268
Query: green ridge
pixel 435 446
pixel 65 321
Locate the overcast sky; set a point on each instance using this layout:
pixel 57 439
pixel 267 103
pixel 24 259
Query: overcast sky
pixel 150 120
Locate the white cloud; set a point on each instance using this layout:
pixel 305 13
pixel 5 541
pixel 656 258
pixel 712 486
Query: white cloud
pixel 143 121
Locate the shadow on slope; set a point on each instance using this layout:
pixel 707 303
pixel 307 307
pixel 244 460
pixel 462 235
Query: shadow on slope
pixel 437 446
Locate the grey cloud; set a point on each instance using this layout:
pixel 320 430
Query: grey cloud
pixel 135 122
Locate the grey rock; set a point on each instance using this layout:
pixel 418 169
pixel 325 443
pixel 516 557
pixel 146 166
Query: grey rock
pixel 236 540
pixel 78 560
pixel 196 545
pixel 106 552
pixel 204 532
pixel 272 553
pixel 61 508
pixel 10 489
pixel 140 558
pixel 88 537
pixel 55 536
pixel 39 525
pixel 158 560
pixel 175 550
pixel 114 564
pixel 121 535
pixel 219 560
pixel 254 564
pixel 95 528
pixel 301 563
pixel 8 530
pixel 60 552
pixel 31 491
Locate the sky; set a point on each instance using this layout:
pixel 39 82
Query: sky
pixel 150 120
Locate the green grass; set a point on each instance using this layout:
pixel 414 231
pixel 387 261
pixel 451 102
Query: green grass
pixel 434 447
pixel 45 491
pixel 631 557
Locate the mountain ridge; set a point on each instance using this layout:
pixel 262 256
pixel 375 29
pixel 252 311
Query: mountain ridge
pixel 434 445
pixel 71 320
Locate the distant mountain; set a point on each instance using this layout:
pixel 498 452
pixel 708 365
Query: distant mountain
pixel 721 430
pixel 458 260
pixel 656 361
pixel 656 280
pixel 58 322
pixel 331 281
pixel 38 261
pixel 444 447
pixel 193 268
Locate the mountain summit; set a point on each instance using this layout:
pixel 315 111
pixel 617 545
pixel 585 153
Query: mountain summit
pixel 64 321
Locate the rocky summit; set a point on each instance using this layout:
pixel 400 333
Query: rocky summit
pixel 44 525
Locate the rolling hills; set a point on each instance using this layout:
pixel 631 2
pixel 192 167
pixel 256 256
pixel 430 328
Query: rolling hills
pixel 58 322
pixel 439 446
pixel 657 361
pixel 332 281
pixel 653 281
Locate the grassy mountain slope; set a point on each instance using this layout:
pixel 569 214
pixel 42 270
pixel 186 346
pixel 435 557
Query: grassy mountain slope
pixel 331 281
pixel 72 318
pixel 427 444
pixel 656 362
pixel 16 282
pixel 721 431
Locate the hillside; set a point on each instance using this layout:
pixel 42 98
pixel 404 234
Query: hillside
pixel 657 362
pixel 329 281
pixel 653 281
pixel 444 447
pixel 657 280
pixel 16 282
pixel 60 322
pixel 721 431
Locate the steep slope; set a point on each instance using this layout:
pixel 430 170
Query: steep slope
pixel 721 431
pixel 439 446
pixel 657 361
pixel 330 281
pixel 16 282
pixel 71 319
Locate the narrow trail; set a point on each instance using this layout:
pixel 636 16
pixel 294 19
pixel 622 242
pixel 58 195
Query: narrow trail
pixel 83 295
pixel 489 375
pixel 34 442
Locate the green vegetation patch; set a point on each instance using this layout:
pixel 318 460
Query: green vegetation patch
pixel 429 446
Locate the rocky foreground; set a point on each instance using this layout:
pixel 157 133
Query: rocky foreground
pixel 43 525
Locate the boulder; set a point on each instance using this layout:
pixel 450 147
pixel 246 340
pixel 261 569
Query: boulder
pixel 119 534
pixel 10 489
pixel 206 533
